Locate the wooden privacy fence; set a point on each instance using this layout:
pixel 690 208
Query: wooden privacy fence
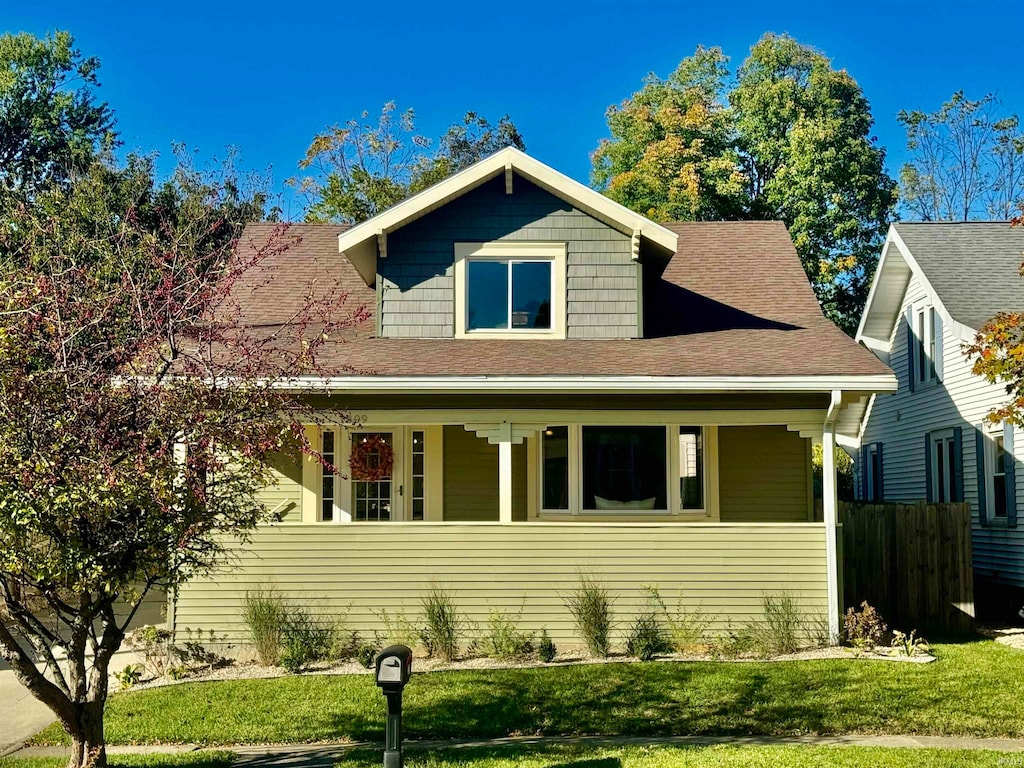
pixel 912 562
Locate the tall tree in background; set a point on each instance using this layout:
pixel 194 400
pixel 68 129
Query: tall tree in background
pixel 790 140
pixel 674 155
pixel 50 121
pixel 362 167
pixel 966 161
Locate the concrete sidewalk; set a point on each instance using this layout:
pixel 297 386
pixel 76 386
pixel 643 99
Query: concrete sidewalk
pixel 325 755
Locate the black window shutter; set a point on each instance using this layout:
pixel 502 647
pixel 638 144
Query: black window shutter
pixel 979 457
pixel 928 495
pixel 911 368
pixel 958 464
pixel 880 475
pixel 864 495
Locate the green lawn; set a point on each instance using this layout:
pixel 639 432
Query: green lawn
pixel 694 757
pixel 973 689
pixel 183 760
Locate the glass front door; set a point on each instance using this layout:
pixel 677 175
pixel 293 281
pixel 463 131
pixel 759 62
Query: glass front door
pixel 373 485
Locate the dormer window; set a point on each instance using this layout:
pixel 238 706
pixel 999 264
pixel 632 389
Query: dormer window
pixel 510 289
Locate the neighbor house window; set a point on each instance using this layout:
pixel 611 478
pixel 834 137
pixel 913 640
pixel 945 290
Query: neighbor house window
pixel 945 466
pixel 510 288
pixel 623 468
pixel 999 457
pixel 873 483
pixel 927 344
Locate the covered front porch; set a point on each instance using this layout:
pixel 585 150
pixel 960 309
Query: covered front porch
pixel 508 466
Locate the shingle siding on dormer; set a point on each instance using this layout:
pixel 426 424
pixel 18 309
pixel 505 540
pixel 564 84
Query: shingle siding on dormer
pixel 417 280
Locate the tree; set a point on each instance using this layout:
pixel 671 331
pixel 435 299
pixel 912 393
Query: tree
pixel 674 155
pixel 360 168
pixel 50 121
pixel 967 161
pixel 791 141
pixel 137 411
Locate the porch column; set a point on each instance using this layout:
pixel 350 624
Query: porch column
pixel 505 480
pixel 829 503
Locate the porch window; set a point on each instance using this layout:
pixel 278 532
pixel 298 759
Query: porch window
pixel 329 481
pixel 623 468
pixel 555 471
pixel 508 295
pixel 691 468
pixel 418 496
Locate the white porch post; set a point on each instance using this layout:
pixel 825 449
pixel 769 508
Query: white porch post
pixel 829 503
pixel 505 472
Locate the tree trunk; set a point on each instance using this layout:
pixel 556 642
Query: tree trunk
pixel 88 749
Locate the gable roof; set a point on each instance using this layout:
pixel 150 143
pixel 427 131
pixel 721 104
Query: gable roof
pixel 361 245
pixel 732 308
pixel 972 269
pixel 974 266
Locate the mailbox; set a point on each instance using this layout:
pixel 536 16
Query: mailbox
pixel 394 665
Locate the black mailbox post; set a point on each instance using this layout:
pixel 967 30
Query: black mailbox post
pixel 394 665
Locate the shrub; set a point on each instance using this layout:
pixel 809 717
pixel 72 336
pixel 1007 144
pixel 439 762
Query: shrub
pixel 909 645
pixel 194 654
pixel 154 646
pixel 304 640
pixel 265 615
pixel 782 626
pixel 502 640
pixel 444 625
pixel 591 608
pixel 130 676
pixel 734 643
pixel 546 649
pixel 398 629
pixel 366 654
pixel 647 637
pixel 687 628
pixel 864 629
pixel 177 672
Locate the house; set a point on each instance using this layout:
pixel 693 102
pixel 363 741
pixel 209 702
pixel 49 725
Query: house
pixel 549 384
pixel 936 285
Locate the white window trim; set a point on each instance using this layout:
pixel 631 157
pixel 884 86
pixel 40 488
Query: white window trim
pixel 672 458
pixel 990 470
pixel 926 346
pixel 512 251
pixel 943 437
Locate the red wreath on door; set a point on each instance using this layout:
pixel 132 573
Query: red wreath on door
pixel 371 459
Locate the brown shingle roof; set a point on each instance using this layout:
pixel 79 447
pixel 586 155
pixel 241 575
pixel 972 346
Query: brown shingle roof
pixel 733 301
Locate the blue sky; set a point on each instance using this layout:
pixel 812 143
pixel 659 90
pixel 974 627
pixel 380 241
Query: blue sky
pixel 265 77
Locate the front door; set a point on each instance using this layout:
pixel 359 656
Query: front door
pixel 375 497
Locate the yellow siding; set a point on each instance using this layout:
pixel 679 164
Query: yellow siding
pixel 471 478
pixel 764 475
pixel 285 495
pixel 365 568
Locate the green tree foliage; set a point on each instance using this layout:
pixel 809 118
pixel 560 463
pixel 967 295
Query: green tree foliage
pixel 364 166
pixel 790 140
pixel 50 121
pixel 136 411
pixel 966 161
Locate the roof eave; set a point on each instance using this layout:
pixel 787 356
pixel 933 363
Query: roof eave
pixel 511 159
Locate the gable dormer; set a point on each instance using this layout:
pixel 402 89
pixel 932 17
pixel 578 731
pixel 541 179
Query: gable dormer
pixel 508 248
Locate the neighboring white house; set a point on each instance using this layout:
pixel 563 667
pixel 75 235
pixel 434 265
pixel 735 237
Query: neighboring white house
pixel 936 284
